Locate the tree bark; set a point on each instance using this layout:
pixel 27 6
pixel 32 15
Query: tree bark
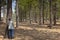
pixel 41 16
pixel 51 15
pixel 54 11
pixel 30 13
pixel 43 10
pixel 9 9
pixel 17 16
pixel 0 10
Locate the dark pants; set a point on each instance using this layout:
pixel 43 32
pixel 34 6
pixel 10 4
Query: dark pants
pixel 11 33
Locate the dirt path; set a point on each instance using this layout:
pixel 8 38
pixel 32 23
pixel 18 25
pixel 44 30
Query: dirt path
pixel 33 33
pixel 28 33
pixel 38 29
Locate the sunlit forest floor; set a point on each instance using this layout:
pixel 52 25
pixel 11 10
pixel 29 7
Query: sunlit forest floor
pixel 32 32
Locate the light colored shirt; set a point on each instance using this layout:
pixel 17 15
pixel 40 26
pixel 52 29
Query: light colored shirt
pixel 11 26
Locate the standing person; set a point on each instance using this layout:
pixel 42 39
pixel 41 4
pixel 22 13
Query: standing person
pixel 11 30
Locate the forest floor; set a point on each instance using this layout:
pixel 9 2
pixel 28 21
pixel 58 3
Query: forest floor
pixel 32 32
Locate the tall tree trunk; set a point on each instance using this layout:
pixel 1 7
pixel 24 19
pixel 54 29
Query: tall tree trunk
pixel 54 11
pixel 41 17
pixel 51 16
pixel 30 13
pixel 17 16
pixel 0 10
pixel 43 10
pixel 9 9
pixel 47 11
